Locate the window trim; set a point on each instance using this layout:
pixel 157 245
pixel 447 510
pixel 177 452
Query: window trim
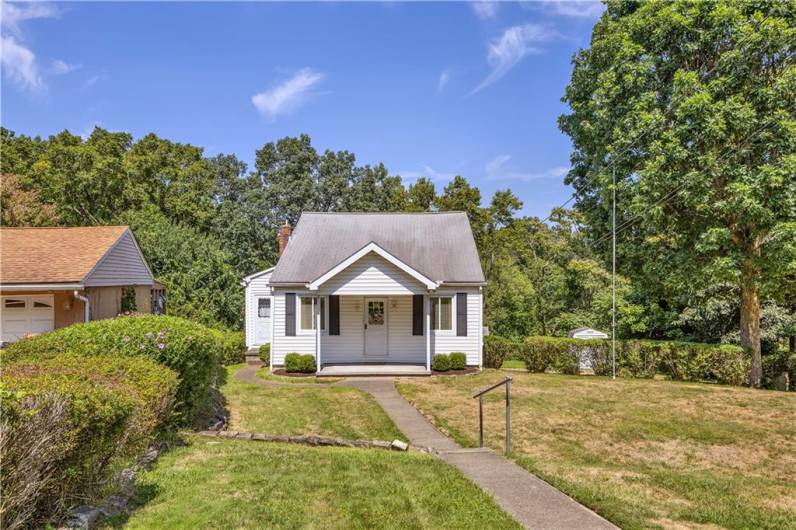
pixel 452 330
pixel 324 303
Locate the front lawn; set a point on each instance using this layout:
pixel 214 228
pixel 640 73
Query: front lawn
pixel 325 411
pixel 236 484
pixel 643 453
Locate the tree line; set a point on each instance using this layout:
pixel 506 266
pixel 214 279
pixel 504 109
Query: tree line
pixel 688 107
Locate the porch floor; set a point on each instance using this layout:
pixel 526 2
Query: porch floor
pixel 354 370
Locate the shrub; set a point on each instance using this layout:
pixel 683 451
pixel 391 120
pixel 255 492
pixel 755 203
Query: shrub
pixel 190 349
pixel 295 362
pixel 441 362
pixel 232 346
pixel 685 361
pixel 776 363
pixel 498 349
pixel 458 360
pixel 67 422
pixel 265 353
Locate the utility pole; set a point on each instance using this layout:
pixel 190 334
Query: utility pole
pixel 613 274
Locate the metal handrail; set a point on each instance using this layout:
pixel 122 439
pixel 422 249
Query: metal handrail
pixel 480 396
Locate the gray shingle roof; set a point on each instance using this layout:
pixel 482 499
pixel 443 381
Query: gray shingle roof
pixel 438 245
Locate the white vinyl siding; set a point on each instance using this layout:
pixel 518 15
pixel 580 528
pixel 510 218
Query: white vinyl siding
pixel 257 288
pixel 282 344
pixel 122 265
pixel 446 342
pixel 372 276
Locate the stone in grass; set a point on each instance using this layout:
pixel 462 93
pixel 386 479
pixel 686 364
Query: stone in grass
pixel 84 517
pixel 114 505
pixel 381 444
pixel 398 445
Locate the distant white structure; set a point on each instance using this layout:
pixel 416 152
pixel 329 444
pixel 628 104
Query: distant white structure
pixel 587 333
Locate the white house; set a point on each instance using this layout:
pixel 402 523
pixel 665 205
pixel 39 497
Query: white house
pixel 587 333
pixel 370 289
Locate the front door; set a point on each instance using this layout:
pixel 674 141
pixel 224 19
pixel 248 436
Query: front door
pixel 262 326
pixel 376 327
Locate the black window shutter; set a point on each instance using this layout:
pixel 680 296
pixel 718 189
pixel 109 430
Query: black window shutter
pixel 290 314
pixel 417 314
pixel 334 314
pixel 461 314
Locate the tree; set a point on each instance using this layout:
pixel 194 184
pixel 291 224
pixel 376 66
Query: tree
pixel 692 105
pixel 22 207
pixel 421 196
pixel 241 216
pixel 287 171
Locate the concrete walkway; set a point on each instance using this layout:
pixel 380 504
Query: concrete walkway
pixel 533 502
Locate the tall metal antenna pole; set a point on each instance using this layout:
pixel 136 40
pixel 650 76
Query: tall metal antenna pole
pixel 613 275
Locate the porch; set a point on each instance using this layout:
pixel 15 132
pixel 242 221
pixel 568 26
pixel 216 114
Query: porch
pixel 372 370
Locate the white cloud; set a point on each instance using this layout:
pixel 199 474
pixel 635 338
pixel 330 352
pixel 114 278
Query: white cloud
pixel 287 95
pixel 495 170
pixel 14 13
pixel 573 8
pixel 18 59
pixel 91 81
pixel 484 10
pixel 515 43
pixel 59 67
pixel 411 175
pixel 19 64
pixel 494 165
pixel 444 77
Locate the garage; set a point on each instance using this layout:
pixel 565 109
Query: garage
pixel 25 315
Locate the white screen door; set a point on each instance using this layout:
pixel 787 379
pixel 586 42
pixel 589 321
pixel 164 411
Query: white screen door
pixel 376 327
pixel 262 326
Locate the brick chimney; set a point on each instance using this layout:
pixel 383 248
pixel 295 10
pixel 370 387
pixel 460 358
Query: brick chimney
pixel 284 236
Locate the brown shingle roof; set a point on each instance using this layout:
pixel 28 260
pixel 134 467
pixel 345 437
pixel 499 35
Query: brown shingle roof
pixel 53 255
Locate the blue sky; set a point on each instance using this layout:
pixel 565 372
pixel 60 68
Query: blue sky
pixel 429 89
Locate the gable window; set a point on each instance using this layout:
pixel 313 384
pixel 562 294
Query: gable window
pixel 307 307
pixel 442 313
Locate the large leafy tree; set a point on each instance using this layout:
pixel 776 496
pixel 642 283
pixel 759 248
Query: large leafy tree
pixel 691 104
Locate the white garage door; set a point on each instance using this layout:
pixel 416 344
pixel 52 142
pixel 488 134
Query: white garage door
pixel 26 315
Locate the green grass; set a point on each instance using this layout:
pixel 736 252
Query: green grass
pixel 513 364
pixel 325 411
pixel 265 373
pixel 214 483
pixel 643 453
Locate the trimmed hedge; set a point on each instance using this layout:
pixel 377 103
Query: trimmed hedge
pixel 686 361
pixel 232 345
pixel 458 360
pixel 441 362
pixel 265 353
pixel 295 362
pixel 190 349
pixel 498 349
pixel 67 422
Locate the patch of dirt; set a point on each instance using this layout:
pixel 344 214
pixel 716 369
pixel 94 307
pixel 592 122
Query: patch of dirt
pixel 466 371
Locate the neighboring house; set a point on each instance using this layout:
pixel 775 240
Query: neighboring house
pixel 370 288
pixel 54 277
pixel 587 333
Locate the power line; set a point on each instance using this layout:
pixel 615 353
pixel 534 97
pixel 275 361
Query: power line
pixel 669 195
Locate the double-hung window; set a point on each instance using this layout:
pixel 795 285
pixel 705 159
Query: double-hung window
pixel 442 313
pixel 309 305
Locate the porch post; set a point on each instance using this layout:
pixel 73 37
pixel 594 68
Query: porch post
pixel 318 335
pixel 427 305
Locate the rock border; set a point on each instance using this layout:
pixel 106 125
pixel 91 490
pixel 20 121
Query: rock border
pixel 327 441
pixel 87 517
